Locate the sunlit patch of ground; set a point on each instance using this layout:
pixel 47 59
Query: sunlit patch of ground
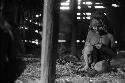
pixel 32 72
pixel 68 72
pixel 70 76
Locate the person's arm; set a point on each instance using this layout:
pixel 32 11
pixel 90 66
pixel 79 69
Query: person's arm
pixel 113 44
pixel 89 35
pixel 112 40
pixel 87 41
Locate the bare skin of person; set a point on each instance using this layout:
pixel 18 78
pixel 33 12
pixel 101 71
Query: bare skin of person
pixel 94 40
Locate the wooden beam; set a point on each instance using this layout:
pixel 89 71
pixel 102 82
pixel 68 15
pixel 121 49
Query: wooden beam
pixel 49 40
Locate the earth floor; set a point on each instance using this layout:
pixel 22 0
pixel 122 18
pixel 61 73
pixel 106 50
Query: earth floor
pixel 32 72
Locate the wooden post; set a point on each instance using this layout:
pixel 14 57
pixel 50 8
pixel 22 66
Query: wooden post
pixel 74 20
pixel 49 40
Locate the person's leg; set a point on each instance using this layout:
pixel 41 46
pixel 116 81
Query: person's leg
pixel 87 56
pixel 94 57
pixel 108 52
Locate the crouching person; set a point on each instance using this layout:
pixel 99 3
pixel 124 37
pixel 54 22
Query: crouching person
pixel 99 42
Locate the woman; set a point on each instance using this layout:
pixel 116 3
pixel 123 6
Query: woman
pixel 99 42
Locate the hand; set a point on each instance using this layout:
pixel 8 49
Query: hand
pixel 98 46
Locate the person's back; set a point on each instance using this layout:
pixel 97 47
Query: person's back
pixel 107 40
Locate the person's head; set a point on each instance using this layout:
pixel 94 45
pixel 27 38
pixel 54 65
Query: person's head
pixel 94 23
pixel 98 21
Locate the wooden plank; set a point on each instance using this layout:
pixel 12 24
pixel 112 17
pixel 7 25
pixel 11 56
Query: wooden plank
pixel 49 40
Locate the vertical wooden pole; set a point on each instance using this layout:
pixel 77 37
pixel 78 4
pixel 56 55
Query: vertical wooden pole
pixel 49 40
pixel 74 28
